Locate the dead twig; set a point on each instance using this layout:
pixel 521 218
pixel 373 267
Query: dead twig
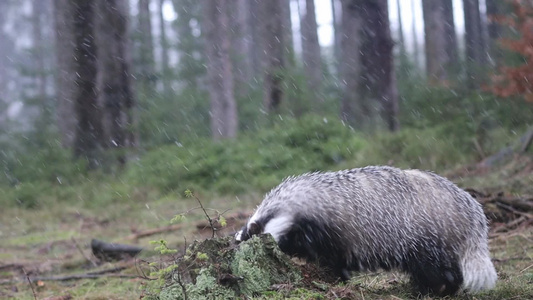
pixel 211 222
pixel 83 253
pixel 81 276
pixel 136 236
pixel 29 282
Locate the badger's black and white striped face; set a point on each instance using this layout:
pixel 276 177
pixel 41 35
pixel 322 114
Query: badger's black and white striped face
pixel 277 226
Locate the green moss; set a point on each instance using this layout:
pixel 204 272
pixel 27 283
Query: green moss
pixel 261 263
pixel 254 266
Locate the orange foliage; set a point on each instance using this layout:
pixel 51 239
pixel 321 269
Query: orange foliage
pixel 512 81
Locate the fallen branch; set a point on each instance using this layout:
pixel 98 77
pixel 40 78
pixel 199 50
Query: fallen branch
pixel 110 251
pixel 89 259
pixel 527 141
pixel 11 266
pixel 153 231
pixel 508 214
pixel 80 276
pixel 524 141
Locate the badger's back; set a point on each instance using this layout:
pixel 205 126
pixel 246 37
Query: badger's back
pixel 381 217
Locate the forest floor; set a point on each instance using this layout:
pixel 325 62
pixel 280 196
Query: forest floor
pixel 50 247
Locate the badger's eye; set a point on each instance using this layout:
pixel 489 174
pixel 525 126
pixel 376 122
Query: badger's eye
pixel 254 229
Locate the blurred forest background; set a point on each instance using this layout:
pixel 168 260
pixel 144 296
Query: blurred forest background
pixel 111 109
pixel 231 96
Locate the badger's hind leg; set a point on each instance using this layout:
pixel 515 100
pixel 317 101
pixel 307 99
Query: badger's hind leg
pixel 436 273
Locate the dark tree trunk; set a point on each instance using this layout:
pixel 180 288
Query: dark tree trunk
pixel 436 42
pixel 165 70
pixel 451 37
pixel 287 32
pixel 378 84
pixel 270 29
pixel 311 51
pixel 38 45
pixel 3 67
pixel 65 88
pixel 495 8
pixel 370 84
pixel 352 111
pixel 416 50
pixel 114 77
pixel 241 50
pixel 89 133
pixel 474 43
pixel 223 112
pixel 191 68
pixel 401 42
pixel 336 12
pixel 145 54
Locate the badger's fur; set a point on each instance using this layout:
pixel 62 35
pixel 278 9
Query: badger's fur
pixel 381 217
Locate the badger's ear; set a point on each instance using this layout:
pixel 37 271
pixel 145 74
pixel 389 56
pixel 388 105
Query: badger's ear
pixel 254 229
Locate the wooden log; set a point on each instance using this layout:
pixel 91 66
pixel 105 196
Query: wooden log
pixel 111 251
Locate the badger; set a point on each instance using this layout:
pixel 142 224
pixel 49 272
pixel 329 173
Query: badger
pixel 381 217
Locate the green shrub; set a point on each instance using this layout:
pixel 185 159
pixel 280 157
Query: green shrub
pixel 255 161
pixel 50 163
pixel 416 148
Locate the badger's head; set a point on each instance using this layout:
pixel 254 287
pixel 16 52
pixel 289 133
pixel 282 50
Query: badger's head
pixel 275 224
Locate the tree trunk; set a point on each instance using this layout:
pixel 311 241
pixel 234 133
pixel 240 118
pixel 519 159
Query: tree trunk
pixel 494 30
pixel 416 51
pixel 224 120
pixel 65 88
pixel 451 37
pixel 436 42
pixel 336 11
pixel 89 133
pixel 378 87
pixel 38 22
pixel 191 68
pixel 475 46
pixel 3 65
pixel 165 70
pixel 350 68
pixel 401 42
pixel 288 43
pixel 241 39
pixel 114 82
pixel 370 91
pixel 145 55
pixel 311 52
pixel 270 29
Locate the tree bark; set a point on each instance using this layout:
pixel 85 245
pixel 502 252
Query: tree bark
pixel 89 132
pixel 270 29
pixel 224 120
pixel 163 41
pixel 370 93
pixel 378 85
pixel 191 68
pixel 114 83
pixel 451 37
pixel 474 43
pixel 416 51
pixel 288 43
pixel 336 14
pixel 145 65
pixel 351 68
pixel 401 42
pixel 241 38
pixel 64 81
pixel 436 42
pixel 311 51
pixel 494 29
pixel 38 7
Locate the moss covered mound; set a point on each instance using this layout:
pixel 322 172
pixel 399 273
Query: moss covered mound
pixel 219 269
